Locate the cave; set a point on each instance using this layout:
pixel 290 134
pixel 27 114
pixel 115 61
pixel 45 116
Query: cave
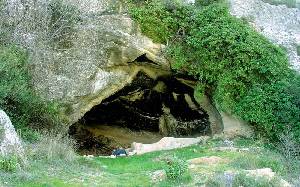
pixel 144 111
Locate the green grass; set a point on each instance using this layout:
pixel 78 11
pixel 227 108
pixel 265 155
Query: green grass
pixel 136 170
pixel 260 160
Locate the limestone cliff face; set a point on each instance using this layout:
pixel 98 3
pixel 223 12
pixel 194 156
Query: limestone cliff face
pixel 10 144
pixel 93 62
pixel 278 23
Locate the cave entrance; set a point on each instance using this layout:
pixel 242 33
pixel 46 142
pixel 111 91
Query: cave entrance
pixel 144 111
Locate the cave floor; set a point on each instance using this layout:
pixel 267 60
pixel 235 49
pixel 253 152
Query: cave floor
pixel 124 136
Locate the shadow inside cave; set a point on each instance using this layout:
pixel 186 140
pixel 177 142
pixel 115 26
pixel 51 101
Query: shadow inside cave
pixel 144 111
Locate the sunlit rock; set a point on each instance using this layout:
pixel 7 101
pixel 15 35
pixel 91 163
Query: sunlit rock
pixel 84 64
pixel 10 144
pixel 166 143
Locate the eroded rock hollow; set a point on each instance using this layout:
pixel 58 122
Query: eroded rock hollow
pixel 143 111
pixel 109 80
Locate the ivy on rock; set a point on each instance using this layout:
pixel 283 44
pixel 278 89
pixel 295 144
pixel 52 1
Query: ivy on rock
pixel 244 72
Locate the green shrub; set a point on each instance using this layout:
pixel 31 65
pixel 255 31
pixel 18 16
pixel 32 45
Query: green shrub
pixel 176 168
pixel 240 69
pixel 249 181
pixel 26 110
pixel 9 164
pixel 165 19
pixel 273 106
pixel 207 2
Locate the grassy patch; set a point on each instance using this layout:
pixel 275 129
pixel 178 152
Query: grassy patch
pixel 136 170
pixel 260 160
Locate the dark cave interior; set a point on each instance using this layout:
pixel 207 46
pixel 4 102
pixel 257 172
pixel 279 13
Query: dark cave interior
pixel 139 106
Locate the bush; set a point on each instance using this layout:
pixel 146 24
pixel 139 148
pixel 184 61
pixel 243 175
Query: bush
pixel 207 2
pixel 271 106
pixel 244 180
pixel 240 69
pixel 176 168
pixel 9 164
pixel 165 19
pixel 17 99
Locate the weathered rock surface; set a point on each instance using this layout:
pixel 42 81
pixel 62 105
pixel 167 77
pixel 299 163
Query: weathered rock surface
pixel 10 143
pixel 166 143
pixel 234 127
pixel 158 176
pixel 279 23
pixel 102 40
pixel 215 118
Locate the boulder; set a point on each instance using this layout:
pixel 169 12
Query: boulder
pixel 158 176
pixel 166 143
pixel 10 143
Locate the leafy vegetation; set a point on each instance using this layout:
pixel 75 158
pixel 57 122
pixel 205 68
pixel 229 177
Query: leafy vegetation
pixel 273 161
pixel 26 110
pixel 240 69
pixel 162 23
pixel 176 168
pixel 9 164
pixel 243 180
